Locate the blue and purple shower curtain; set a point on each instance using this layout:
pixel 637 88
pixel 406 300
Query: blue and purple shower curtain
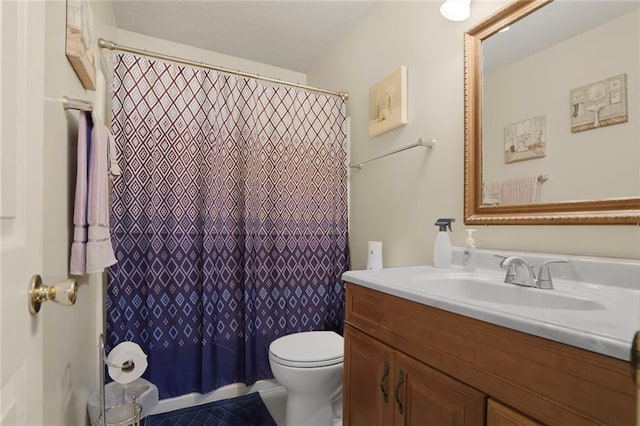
pixel 229 221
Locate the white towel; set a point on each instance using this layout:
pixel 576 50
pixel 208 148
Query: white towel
pixel 91 250
pixel 519 190
pixel 491 192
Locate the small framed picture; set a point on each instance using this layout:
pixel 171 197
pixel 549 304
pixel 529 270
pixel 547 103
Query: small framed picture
pixel 80 46
pixel 525 140
pixel 615 97
pixel 599 104
pixel 388 103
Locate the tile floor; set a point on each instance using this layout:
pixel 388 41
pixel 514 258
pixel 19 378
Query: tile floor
pixel 276 401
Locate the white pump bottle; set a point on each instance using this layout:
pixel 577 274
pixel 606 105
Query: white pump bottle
pixel 469 254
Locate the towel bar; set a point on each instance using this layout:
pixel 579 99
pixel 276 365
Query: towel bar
pixel 79 104
pixel 420 142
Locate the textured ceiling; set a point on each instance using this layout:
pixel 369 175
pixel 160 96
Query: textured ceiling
pixel 288 34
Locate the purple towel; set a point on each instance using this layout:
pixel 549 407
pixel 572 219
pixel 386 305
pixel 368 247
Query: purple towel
pixel 91 250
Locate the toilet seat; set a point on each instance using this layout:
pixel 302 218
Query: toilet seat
pixel 308 349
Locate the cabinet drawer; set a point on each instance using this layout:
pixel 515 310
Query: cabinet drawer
pixel 501 415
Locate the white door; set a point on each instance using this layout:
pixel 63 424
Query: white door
pixel 21 159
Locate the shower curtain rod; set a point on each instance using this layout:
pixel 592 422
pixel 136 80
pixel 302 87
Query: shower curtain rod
pixel 106 44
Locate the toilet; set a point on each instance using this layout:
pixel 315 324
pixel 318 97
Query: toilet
pixel 309 366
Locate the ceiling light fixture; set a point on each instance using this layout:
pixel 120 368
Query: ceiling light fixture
pixel 456 10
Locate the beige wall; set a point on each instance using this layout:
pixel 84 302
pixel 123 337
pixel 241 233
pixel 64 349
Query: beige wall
pixel 605 161
pixel 141 41
pixel 396 200
pixel 70 333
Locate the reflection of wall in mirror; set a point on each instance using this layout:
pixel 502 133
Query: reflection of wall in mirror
pixel 602 163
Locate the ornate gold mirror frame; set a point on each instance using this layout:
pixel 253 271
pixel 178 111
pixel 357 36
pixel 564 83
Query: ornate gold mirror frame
pixel 608 211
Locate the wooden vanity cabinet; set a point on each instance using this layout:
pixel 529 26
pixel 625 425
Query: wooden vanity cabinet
pixel 442 368
pixel 386 387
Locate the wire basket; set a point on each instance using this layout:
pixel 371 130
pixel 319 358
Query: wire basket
pixel 121 415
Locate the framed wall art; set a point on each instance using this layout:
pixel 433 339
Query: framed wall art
pixel 80 46
pixel 525 140
pixel 388 103
pixel 599 104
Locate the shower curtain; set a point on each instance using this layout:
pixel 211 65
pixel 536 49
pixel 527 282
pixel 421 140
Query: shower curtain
pixel 229 221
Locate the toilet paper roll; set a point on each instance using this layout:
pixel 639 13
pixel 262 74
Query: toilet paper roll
pixel 374 256
pixel 129 355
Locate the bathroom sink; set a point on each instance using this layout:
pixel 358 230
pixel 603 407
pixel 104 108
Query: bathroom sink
pixel 466 286
pixel 594 305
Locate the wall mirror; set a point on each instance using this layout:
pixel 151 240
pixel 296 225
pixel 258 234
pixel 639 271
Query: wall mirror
pixel 551 114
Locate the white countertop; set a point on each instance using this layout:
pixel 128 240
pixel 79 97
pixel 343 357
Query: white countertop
pixel 608 330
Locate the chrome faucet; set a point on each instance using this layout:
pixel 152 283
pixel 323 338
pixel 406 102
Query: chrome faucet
pixel 544 274
pixel 519 272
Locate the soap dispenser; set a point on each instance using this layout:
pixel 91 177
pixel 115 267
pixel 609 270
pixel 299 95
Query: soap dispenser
pixel 442 247
pixel 469 255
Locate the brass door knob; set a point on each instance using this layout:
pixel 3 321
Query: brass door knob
pixel 64 293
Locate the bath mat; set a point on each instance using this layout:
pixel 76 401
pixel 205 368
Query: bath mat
pixel 245 410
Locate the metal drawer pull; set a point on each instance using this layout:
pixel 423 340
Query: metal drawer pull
pixel 398 400
pixel 383 382
pixel 635 358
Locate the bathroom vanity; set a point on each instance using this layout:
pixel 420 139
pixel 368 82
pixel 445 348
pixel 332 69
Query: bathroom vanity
pixel 417 353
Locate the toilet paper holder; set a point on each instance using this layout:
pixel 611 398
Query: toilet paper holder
pixel 126 366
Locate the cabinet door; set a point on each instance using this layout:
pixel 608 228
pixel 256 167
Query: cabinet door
pixel 424 396
pixel 501 415
pixel 368 369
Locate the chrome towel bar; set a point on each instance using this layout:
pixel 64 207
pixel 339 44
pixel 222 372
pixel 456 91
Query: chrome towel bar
pixel 420 142
pixel 79 104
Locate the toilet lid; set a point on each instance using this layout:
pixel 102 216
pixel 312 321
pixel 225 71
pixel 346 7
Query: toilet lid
pixel 308 349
